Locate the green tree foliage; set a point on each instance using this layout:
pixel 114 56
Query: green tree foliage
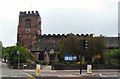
pixel 70 45
pixel 5 51
pixel 112 56
pixel 1 49
pixel 96 46
pixel 11 53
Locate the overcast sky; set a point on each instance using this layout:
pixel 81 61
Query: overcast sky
pixel 61 16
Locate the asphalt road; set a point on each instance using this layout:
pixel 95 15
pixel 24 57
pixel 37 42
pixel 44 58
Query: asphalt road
pixel 60 78
pixel 56 74
pixel 75 73
pixel 6 72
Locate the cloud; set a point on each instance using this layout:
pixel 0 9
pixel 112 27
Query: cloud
pixel 78 21
pixel 60 16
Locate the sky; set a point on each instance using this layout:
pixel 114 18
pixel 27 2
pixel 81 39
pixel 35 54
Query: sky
pixel 61 17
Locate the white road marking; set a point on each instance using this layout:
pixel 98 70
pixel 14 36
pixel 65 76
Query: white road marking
pixel 68 76
pixel 108 75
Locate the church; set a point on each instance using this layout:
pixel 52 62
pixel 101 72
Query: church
pixel 44 46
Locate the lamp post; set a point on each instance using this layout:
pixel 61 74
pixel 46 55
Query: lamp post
pixel 18 58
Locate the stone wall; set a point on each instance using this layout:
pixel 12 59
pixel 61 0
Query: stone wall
pixel 48 42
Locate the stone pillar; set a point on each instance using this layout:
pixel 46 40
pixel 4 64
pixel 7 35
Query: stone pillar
pixel 56 57
pixel 37 55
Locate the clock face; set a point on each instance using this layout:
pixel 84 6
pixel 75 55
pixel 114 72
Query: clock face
pixel 27 30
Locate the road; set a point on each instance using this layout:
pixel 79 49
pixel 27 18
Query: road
pixel 101 73
pixel 57 74
pixel 6 72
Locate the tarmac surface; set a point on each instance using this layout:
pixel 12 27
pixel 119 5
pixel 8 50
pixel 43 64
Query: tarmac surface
pixel 56 74
pixel 59 77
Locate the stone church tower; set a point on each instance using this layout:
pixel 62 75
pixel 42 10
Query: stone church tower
pixel 29 28
pixel 45 46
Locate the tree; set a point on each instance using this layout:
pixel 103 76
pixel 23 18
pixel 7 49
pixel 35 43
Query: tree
pixel 112 56
pixel 1 49
pixel 6 52
pixel 96 46
pixel 10 53
pixel 25 55
pixel 73 44
pixel 70 45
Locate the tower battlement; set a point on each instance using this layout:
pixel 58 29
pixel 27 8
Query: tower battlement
pixel 64 35
pixel 29 13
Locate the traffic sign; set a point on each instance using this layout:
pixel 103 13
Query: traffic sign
pixel 70 57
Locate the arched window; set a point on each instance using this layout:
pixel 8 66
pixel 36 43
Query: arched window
pixel 27 22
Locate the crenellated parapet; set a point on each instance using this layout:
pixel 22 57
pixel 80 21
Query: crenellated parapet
pixel 64 35
pixel 29 13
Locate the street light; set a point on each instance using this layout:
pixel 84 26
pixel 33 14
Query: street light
pixel 18 58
